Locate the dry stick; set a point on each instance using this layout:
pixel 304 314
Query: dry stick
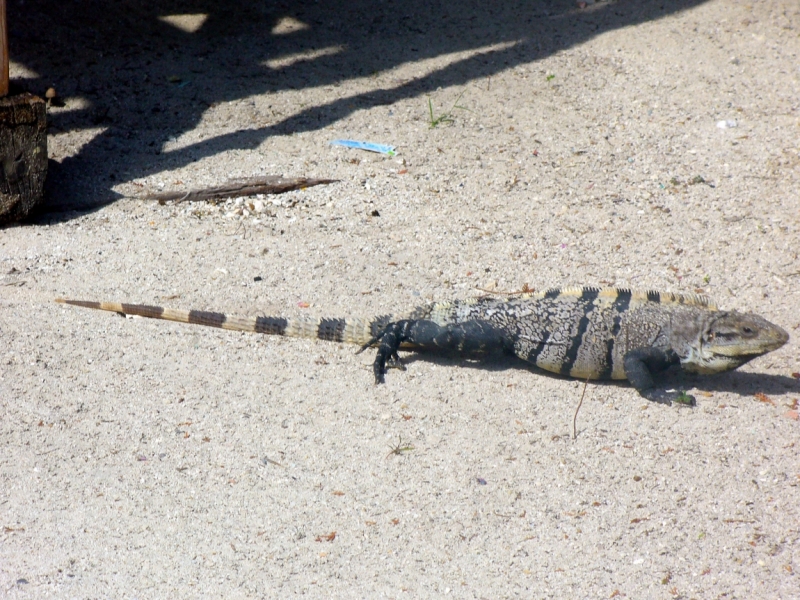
pixel 525 290
pixel 575 416
pixel 271 184
pixel 3 50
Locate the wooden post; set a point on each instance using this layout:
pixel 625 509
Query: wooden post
pixel 3 50
pixel 23 143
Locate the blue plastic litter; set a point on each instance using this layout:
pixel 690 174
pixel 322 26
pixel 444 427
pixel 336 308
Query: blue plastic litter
pixel 380 148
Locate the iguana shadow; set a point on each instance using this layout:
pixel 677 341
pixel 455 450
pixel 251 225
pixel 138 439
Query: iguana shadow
pixel 742 383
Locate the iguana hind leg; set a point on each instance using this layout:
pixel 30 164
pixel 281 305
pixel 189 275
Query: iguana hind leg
pixel 467 337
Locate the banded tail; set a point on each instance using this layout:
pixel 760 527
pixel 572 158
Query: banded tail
pixel 348 331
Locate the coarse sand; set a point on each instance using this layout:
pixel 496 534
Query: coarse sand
pixel 644 144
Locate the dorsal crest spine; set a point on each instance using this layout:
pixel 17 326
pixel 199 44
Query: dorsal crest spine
pixel 637 296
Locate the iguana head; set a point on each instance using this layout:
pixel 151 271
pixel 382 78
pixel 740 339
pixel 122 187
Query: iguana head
pixel 730 339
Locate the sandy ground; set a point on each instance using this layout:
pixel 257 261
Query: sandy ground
pixel 643 144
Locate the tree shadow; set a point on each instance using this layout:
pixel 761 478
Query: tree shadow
pixel 145 76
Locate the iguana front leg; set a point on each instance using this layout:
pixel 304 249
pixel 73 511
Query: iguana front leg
pixel 641 363
pixel 467 337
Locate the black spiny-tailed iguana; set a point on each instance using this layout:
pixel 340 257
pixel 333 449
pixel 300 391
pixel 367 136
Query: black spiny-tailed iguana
pixel 585 333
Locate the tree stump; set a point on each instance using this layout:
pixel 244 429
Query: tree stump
pixel 23 155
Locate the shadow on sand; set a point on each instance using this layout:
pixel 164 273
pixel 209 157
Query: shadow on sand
pixel 143 80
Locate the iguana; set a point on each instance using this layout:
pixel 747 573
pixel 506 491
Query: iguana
pixel 585 333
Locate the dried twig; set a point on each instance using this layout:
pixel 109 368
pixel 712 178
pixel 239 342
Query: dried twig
pixel 271 184
pixel 525 290
pixel 575 416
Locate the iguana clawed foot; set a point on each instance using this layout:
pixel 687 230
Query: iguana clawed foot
pixel 388 341
pixel 661 396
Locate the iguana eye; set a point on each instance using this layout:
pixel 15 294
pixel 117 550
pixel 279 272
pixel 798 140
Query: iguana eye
pixel 747 330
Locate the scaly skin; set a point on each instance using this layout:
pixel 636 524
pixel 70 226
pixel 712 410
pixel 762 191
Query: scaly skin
pixel 585 333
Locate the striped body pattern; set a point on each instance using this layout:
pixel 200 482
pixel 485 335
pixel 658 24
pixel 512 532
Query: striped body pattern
pixel 580 332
